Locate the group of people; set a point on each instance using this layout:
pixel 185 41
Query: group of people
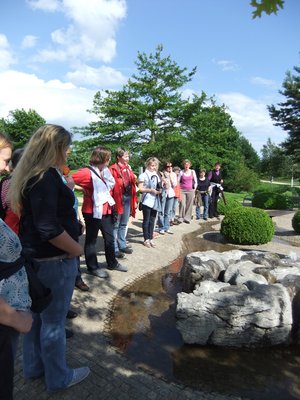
pixel 162 192
pixel 44 235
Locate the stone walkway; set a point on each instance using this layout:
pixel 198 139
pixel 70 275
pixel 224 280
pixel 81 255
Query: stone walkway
pixel 112 375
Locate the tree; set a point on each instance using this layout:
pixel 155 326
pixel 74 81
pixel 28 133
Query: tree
pixel 20 125
pixel 251 157
pixel 267 6
pixel 148 106
pixel 287 114
pixel 274 162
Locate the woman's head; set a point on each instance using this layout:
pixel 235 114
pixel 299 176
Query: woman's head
pixel 122 155
pixel 168 166
pixel 5 152
pixel 100 156
pixel 46 148
pixel 186 164
pixel 152 164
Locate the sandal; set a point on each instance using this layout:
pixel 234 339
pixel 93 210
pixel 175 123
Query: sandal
pixel 152 244
pixel 147 243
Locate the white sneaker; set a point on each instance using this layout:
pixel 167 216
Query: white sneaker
pixel 170 232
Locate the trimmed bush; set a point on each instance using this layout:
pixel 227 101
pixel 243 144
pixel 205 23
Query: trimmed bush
pixel 271 200
pixel 247 225
pixel 230 205
pixel 296 222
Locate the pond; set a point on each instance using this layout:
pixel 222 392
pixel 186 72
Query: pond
pixel 143 328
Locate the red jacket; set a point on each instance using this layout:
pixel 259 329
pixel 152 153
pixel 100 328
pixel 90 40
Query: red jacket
pixel 118 189
pixel 83 178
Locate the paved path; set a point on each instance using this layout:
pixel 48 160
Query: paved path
pixel 113 377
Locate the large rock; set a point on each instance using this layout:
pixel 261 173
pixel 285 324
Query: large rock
pixel 245 308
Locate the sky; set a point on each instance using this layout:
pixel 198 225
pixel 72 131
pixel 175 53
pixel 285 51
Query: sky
pixel 56 54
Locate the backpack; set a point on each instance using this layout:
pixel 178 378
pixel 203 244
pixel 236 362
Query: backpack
pixel 2 208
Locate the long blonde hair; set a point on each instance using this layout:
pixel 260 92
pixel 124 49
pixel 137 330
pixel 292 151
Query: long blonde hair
pixel 46 148
pixel 5 142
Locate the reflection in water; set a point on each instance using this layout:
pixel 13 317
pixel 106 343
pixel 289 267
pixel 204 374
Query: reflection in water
pixel 143 327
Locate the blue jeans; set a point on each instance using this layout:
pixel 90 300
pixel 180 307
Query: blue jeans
pixel 44 347
pixel 204 198
pixel 120 226
pixel 164 216
pixel 174 208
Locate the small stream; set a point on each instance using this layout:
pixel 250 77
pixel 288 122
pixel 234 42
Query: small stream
pixel 143 328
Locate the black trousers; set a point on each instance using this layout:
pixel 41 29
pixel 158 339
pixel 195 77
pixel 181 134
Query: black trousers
pixel 6 364
pixel 92 227
pixel 213 205
pixel 149 216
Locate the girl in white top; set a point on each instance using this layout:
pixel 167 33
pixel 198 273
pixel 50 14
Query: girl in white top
pixel 149 184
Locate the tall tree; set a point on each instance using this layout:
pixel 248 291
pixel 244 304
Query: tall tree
pixel 148 106
pixel 20 125
pixel 274 163
pixel 287 114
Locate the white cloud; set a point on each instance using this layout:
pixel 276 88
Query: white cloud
pixel 45 5
pixel 252 119
pixel 91 32
pixel 263 82
pixel 57 102
pixel 100 77
pixel 29 41
pixel 6 56
pixel 226 65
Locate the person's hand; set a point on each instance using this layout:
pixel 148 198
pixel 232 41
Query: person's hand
pixel 23 321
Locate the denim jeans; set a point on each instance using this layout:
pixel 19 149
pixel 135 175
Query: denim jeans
pixel 174 208
pixel 120 226
pixel 44 347
pixel 164 216
pixel 92 227
pixel 149 216
pixel 204 198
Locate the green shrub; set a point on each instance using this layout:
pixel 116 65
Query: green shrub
pixel 247 225
pixel 231 204
pixel 271 200
pixel 296 222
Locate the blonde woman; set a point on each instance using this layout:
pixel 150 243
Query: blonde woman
pixel 149 184
pixel 188 184
pixel 14 292
pixel 49 236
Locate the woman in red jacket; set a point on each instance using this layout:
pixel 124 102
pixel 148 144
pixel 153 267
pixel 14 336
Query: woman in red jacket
pixel 124 194
pixel 97 210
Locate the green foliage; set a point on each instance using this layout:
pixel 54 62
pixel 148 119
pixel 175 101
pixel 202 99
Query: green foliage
pixel 296 221
pixel 231 204
pixel 240 178
pixel 274 162
pixel 267 6
pixel 20 125
pixel 271 200
pixel 287 114
pixel 247 225
pixel 149 105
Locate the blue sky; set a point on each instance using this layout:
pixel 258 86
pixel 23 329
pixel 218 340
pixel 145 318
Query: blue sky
pixel 56 54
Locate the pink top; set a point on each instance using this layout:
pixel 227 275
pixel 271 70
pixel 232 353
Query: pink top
pixel 187 181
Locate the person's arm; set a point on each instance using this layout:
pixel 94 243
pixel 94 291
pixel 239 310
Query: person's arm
pixel 66 243
pixel 21 321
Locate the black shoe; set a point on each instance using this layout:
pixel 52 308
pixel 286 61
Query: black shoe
pixel 72 314
pixel 69 333
pixel 127 250
pixel 120 254
pixel 99 272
